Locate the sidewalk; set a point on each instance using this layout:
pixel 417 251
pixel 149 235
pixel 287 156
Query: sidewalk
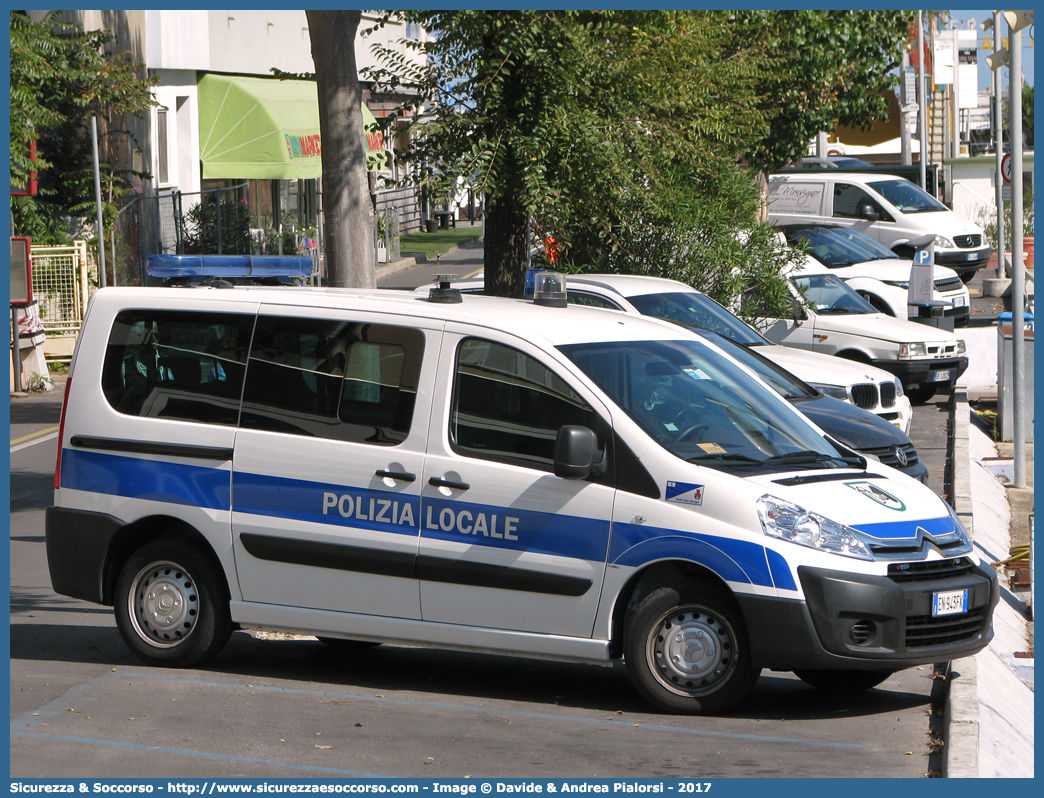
pixel 989 714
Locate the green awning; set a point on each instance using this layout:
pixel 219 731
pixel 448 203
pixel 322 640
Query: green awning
pixel 258 128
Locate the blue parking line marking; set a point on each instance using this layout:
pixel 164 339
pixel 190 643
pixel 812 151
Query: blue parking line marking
pixel 501 711
pixel 203 754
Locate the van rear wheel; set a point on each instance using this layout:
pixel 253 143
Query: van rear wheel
pixel 172 604
pixel 686 650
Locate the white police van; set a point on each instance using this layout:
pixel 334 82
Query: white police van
pixel 489 475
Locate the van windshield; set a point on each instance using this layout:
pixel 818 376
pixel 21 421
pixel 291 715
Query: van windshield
pixel 704 408
pixel 907 197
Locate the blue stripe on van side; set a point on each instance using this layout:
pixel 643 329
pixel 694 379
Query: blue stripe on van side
pixel 154 480
pixel 387 511
pixel 735 560
pixel 536 532
pixel 325 503
pixel 781 574
pixel 902 530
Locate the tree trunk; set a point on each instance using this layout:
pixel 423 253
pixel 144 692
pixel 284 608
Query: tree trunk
pixel 505 247
pixel 347 207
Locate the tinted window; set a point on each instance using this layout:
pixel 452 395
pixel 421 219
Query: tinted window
pixel 591 300
pixel 509 407
pixel 848 199
pixel 908 197
pixel 177 364
pixel 702 407
pixel 332 379
pixel 696 310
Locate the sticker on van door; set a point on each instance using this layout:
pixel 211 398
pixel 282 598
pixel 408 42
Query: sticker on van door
pixel 806 198
pixel 684 493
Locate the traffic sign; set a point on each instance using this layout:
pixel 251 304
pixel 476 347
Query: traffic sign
pixel 1006 167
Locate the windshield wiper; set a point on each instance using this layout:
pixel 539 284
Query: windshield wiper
pixel 803 456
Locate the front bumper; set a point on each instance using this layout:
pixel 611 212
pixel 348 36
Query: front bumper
pixel 964 261
pixel 922 372
pixel 78 546
pixel 854 621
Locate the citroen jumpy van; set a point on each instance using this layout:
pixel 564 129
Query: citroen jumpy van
pixel 890 209
pixel 491 475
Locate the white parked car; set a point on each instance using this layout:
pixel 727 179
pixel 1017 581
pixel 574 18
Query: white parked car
pixel 877 274
pixel 828 316
pixel 872 389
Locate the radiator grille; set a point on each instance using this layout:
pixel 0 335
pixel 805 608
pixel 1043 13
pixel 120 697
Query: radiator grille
pixel 948 284
pixel 926 571
pixel 865 395
pixel 967 242
pixel 887 394
pixel 925 631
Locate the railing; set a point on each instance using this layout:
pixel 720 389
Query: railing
pixel 62 280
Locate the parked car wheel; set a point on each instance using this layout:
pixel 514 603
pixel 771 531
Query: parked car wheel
pixel 686 650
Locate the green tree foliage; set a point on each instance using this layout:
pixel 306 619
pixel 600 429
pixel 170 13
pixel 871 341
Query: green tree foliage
pixel 61 76
pixel 620 133
pixel 828 68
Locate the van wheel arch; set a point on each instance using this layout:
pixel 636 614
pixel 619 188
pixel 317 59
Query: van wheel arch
pixel 676 572
pixel 140 533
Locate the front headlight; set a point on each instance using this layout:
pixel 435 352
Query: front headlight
pixel 913 350
pixel 944 242
pixel 836 391
pixel 786 521
pixel 961 349
pixel 898 388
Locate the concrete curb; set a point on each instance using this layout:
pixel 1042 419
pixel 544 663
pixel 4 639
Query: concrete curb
pixel 961 717
pixel 961 720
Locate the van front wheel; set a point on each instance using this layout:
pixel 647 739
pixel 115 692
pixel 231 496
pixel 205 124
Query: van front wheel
pixel 172 604
pixel 686 650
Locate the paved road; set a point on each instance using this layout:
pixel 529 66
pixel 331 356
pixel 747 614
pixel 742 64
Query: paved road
pixel 81 706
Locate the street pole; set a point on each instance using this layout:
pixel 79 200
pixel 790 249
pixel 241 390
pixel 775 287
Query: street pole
pixel 922 109
pixel 904 117
pixel 955 88
pixel 1018 284
pixel 98 202
pixel 1003 269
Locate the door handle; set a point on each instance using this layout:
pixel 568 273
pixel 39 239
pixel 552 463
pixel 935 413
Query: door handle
pixel 402 476
pixel 438 482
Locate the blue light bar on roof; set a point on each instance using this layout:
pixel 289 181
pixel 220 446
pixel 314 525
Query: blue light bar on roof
pixel 168 266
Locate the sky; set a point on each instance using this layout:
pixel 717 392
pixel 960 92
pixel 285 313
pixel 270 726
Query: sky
pixel 985 76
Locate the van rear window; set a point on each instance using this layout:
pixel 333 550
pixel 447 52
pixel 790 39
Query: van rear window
pixel 179 365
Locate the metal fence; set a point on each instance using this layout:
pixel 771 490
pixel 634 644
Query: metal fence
pixel 62 277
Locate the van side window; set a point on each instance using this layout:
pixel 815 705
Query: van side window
pixel 508 407
pixel 848 199
pixel 332 379
pixel 180 365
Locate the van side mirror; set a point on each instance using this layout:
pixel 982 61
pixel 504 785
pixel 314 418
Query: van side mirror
pixel 869 212
pixel 576 452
